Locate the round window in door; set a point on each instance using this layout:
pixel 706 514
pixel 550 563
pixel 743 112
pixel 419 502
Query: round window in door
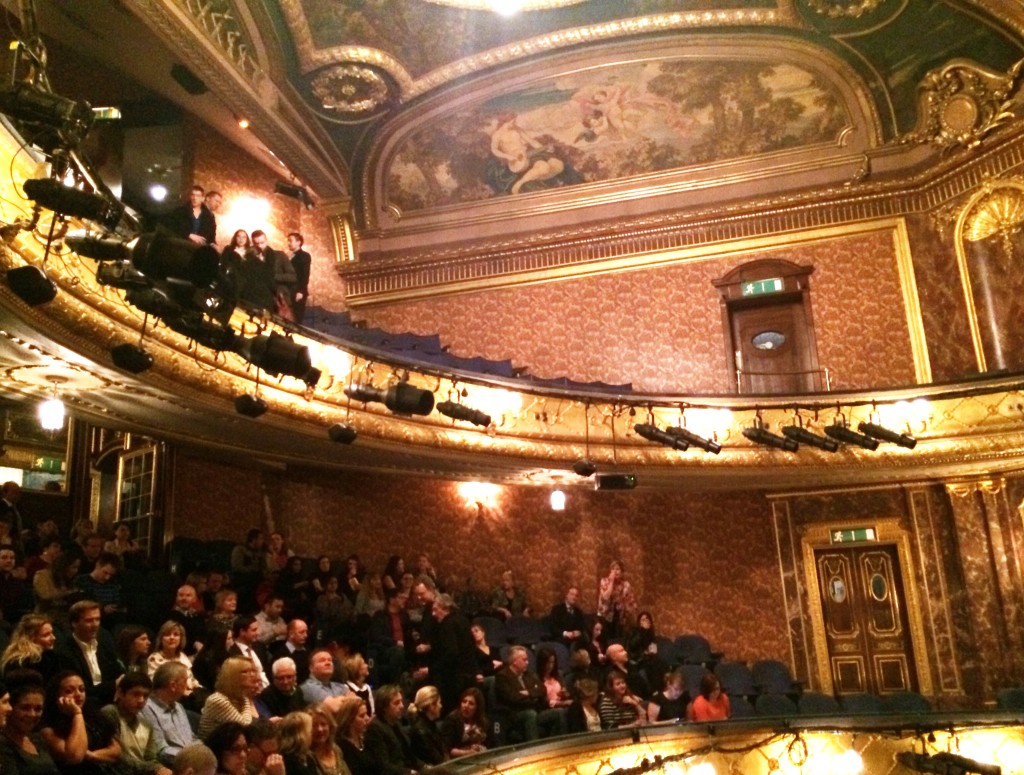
pixel 768 340
pixel 879 587
pixel 837 589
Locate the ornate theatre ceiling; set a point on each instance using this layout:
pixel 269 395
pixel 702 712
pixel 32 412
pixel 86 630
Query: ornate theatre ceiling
pixel 446 140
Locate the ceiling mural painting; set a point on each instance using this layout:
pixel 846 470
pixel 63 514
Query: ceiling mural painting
pixel 613 123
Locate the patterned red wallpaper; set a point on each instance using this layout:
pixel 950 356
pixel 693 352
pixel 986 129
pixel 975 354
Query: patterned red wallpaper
pixel 662 328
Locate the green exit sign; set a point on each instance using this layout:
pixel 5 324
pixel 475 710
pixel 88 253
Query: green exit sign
pixel 49 465
pixel 761 287
pixel 853 534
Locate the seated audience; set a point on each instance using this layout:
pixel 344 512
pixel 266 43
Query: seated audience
pixel 565 620
pixel 207 663
pixel 320 684
pixel 353 721
pixel 278 552
pixel 225 608
pixel 78 736
pixel 187 612
pixel 31 648
pixel 487 662
pixel 122 544
pixel 216 580
pixel 334 611
pixel 171 642
pixel 670 703
pixel 263 757
pixel 90 653
pixel 579 669
pixel 15 593
pixel 237 684
pixel 370 599
pixel 54 586
pixel 244 631
pixel 392 575
pixel 619 707
pixel 618 661
pixel 519 689
pixel 583 715
pixel 352 578
pixel 294 646
pixel 547 670
pixel 424 735
pixel 642 647
pixel 92 548
pixel 358 672
pixel 270 625
pixel 229 744
pixel 509 599
pixel 464 730
pixel 283 695
pixel 329 758
pixel 22 751
pixel 248 564
pixel 597 644
pixel 139 746
pixel 712 704
pixel 133 648
pixel 322 574
pixel 99 585
pixel 172 730
pixel 387 743
pixel 295 738
pixel 195 759
pixel 294 586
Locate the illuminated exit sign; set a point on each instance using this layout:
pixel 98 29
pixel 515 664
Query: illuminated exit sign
pixel 761 287
pixel 853 534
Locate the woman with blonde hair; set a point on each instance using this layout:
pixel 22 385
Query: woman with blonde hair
pixel 237 683
pixel 31 647
pixel 170 647
pixel 322 746
pixel 225 608
pixel 353 721
pixel 294 739
pixel 425 737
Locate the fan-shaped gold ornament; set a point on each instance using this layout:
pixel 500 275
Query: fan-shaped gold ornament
pixel 999 213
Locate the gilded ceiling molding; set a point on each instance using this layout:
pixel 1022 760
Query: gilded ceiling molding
pixel 962 102
pixel 217 19
pixel 311 58
pixel 845 9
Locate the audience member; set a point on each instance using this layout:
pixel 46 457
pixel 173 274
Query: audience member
pixel 352 578
pixel 508 599
pixel 213 200
pixel 555 693
pixel 566 621
pixel 92 547
pixel 712 704
pixel 329 758
pixel 320 684
pixel 54 585
pixel 642 645
pixel 425 737
pixel 453 665
pixel 580 668
pixel 172 730
pixel 388 634
pixel 618 660
pixel 90 653
pixel 225 608
pixel 230 745
pixel 79 737
pixel 122 544
pixel 244 632
pixel 237 684
pixel 353 721
pixel 519 689
pixel 195 759
pixel 193 220
pixel 295 738
pixel 216 580
pixel 263 757
pixel 464 730
pixel 10 497
pixel 301 262
pixel 583 715
pixel 139 746
pixel 132 648
pixel 207 662
pixel 487 662
pixel 22 751
pixel 270 626
pixel 358 672
pixel 283 696
pixel 387 743
pixel 670 703
pixel 616 605
pixel 266 278
pixel 294 646
pixel 32 648
pixel 619 707
pixel 15 595
pixel 187 614
pixel 392 575
pixel 334 611
pixel 278 552
pixel 170 647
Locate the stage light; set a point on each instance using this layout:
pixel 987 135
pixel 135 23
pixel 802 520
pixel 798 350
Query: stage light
pixel 759 435
pixel 615 482
pixel 840 432
pixel 98 248
pixel 28 103
pixel 55 196
pixel 946 763
pixel 693 439
pixel 342 433
pixel 400 398
pixel 294 191
pixel 658 436
pixel 465 413
pixel 202 331
pixel 160 256
pixel 884 434
pixel 121 274
pixel 804 436
pixel 153 301
pixel 31 285
pixel 131 358
pixel 585 468
pixel 278 355
pixel 250 406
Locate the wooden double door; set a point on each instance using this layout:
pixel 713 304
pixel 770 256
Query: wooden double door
pixel 865 618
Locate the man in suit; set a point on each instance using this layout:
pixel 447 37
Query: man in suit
pixel 10 494
pixel 193 220
pixel 294 646
pixel 245 631
pixel 265 276
pixel 453 656
pixel 90 652
pixel 301 262
pixel 519 689
pixel 566 618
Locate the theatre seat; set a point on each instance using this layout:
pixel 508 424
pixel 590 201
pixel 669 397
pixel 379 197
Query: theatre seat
pixel 905 702
pixel 817 704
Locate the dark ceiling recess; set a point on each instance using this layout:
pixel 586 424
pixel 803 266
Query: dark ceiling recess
pixel 188 80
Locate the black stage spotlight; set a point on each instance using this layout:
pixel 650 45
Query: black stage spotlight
pixel 31 285
pixel 294 191
pixel 945 763
pixel 400 398
pixel 462 412
pixel 759 435
pixel 804 436
pixel 884 434
pixel 159 255
pixel 121 274
pixel 250 406
pixel 658 436
pixel 840 432
pixel 98 248
pixel 693 439
pixel 202 331
pixel 277 355
pixel 342 433
pixel 584 468
pixel 26 102
pixel 615 482
pixel 131 358
pixel 153 301
pixel 73 201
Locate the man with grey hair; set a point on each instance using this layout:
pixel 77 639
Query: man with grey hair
pixel 519 689
pixel 453 654
pixel 172 731
pixel 283 696
pixel 195 759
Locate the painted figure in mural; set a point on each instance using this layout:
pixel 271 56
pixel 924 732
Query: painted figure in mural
pixel 525 158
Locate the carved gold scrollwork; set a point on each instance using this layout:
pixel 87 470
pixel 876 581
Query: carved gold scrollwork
pixel 218 20
pixel 844 9
pixel 961 102
pixel 350 90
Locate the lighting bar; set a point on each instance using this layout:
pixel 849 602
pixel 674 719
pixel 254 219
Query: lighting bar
pixel 693 439
pixel 463 412
pixel 759 435
pixel 847 436
pixel 884 434
pixel 804 436
pixel 654 434
pixel 400 398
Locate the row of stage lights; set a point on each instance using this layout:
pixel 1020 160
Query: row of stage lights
pixel 183 284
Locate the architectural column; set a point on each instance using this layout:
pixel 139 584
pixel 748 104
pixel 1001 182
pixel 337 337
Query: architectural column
pixel 992 582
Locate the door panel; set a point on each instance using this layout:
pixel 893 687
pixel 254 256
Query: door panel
pixel 865 619
pixel 772 348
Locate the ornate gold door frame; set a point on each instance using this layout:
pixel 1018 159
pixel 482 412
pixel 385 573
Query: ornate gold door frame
pixel 887 531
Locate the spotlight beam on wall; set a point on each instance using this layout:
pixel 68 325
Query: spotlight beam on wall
pixel 884 434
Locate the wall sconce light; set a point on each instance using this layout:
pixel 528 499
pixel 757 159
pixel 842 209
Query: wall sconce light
pixel 693 439
pixel 557 500
pixel 758 434
pixel 841 432
pixel 464 413
pixel 51 411
pixel 656 435
pixel 400 398
pixel 342 433
pixel 803 436
pixel 884 434
pixel 31 285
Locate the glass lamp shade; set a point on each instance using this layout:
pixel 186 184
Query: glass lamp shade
pixel 51 414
